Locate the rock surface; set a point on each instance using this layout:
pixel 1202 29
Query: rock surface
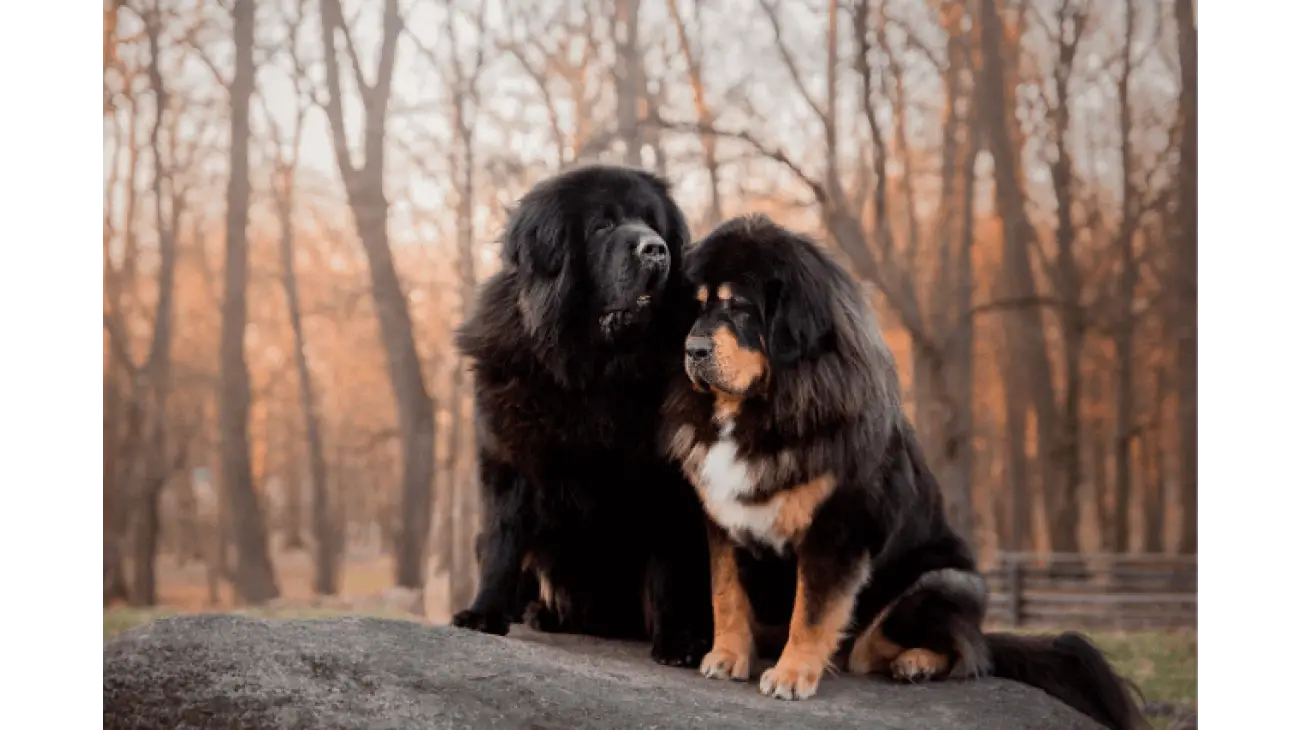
pixel 229 671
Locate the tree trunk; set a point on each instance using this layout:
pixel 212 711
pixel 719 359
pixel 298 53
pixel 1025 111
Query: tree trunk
pixel 628 72
pixel 122 441
pixel 1069 450
pixel 1153 481
pixel 444 530
pixel 144 548
pixel 1127 284
pixel 152 386
pixel 961 367
pixel 219 545
pixel 1184 12
pixel 114 577
pixel 1123 435
pixel 703 115
pixel 415 406
pixel 1029 340
pixel 464 575
pixel 460 572
pixel 254 576
pixel 293 500
pixel 326 578
pixel 1020 495
pixel 369 205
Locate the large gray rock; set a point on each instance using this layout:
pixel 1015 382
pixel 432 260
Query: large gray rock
pixel 225 671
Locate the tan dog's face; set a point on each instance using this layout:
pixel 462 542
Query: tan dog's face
pixel 725 351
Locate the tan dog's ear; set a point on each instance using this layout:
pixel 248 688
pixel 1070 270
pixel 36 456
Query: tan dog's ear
pixel 799 319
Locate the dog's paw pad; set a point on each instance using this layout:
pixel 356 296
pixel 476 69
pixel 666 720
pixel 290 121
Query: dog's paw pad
pixel 725 664
pixel 917 665
pixel 539 617
pixel 678 649
pixel 791 680
pixel 486 623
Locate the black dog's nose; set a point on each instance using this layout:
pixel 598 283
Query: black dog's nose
pixel 652 250
pixel 698 348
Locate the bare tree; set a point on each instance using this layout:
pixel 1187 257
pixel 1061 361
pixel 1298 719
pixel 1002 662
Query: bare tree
pixel 1125 326
pixel 1185 278
pixel 152 381
pixel 1067 447
pixel 1153 461
pixel 456 514
pixel 122 412
pixel 629 73
pixel 559 48
pixel 254 576
pixel 703 111
pixel 369 205
pixel 1028 336
pixel 284 192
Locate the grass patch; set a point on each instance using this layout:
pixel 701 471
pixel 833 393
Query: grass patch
pixel 1162 663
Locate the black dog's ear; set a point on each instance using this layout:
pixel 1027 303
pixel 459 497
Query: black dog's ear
pixel 535 240
pixel 798 322
pixel 536 243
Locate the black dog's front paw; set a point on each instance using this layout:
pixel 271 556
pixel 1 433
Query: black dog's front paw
pixel 680 646
pixel 488 623
pixel 540 617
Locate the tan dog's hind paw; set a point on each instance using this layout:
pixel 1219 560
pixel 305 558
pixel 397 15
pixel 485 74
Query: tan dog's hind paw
pixel 725 664
pixel 791 679
pixel 917 665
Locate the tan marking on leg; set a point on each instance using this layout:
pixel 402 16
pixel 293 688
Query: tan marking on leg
pixel 918 665
pixel 799 504
pixel 738 366
pixel 733 639
pixel 545 591
pixel 811 646
pixel 872 653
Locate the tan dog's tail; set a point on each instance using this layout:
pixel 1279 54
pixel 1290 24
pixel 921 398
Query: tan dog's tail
pixel 1071 669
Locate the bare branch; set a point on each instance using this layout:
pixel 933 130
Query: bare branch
pixel 793 68
pixel 772 153
pixel 331 18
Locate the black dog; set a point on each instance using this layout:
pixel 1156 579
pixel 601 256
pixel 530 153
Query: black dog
pixel 572 346
pixel 787 418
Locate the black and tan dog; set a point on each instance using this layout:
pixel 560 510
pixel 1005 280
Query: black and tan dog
pixel 788 421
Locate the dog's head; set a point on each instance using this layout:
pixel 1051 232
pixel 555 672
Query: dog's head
pixel 597 250
pixel 779 320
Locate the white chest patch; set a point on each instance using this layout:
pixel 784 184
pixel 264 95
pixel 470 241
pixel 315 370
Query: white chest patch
pixel 723 480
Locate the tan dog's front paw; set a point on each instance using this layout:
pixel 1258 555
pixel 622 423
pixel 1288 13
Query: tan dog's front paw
pixel 725 664
pixel 791 679
pixel 917 665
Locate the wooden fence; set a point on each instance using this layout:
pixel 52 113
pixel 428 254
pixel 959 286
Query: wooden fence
pixel 1101 591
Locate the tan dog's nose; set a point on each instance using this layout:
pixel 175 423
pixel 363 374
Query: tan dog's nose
pixel 698 348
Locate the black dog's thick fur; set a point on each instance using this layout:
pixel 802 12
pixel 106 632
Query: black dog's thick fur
pixel 586 528
pixel 787 419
